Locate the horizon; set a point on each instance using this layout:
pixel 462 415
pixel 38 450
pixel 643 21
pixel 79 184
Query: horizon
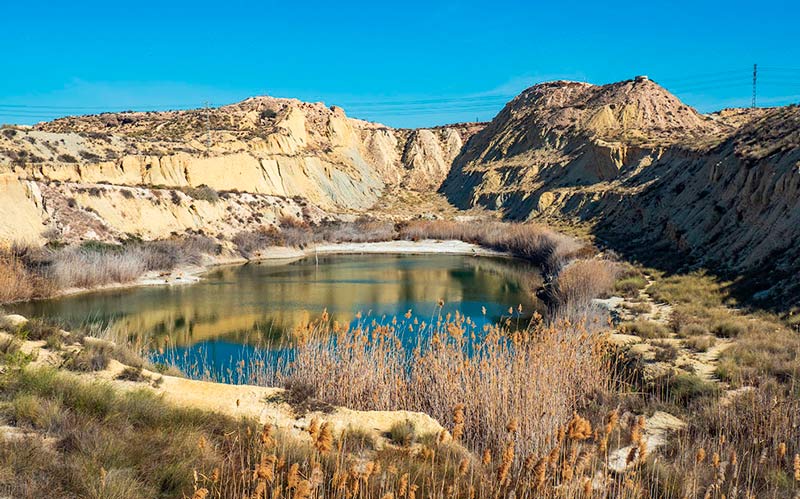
pixel 455 62
pixel 349 115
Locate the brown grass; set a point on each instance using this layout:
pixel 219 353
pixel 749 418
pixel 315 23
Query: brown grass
pixel 17 281
pixel 27 273
pixel 535 376
pixel 581 281
pixel 544 247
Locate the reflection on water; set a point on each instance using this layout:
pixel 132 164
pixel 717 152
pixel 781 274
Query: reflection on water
pixel 234 309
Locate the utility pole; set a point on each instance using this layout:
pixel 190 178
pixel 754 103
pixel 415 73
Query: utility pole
pixel 755 76
pixel 208 131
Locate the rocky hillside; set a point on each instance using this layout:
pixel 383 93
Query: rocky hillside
pixel 147 174
pixel 654 176
pixel 650 174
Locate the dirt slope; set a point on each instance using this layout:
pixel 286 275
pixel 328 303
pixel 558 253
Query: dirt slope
pixel 650 172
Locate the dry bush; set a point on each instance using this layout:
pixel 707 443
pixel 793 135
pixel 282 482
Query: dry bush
pixel 295 232
pixel 250 242
pixel 363 230
pixel 544 247
pixel 202 193
pixel 18 280
pixel 699 343
pixel 645 329
pixel 82 268
pixel 581 281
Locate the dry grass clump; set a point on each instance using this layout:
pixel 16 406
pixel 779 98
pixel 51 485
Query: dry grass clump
pixel 664 352
pixel 296 233
pixel 765 351
pixel 699 343
pixel 645 329
pixel 363 230
pixel 581 281
pixel 630 281
pixel 252 241
pixel 82 268
pixel 18 282
pixel 729 329
pixel 637 308
pixel 689 330
pixel 202 193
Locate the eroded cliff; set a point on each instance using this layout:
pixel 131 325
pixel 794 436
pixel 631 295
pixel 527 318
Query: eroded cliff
pixel 107 175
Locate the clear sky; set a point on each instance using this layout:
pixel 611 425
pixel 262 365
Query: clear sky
pixel 408 63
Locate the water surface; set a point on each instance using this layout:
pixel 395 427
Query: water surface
pixel 236 309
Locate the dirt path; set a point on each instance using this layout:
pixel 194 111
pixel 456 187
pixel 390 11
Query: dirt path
pixel 703 364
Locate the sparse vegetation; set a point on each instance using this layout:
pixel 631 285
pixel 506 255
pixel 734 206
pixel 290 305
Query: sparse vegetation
pixel 27 273
pixel 202 193
pixel 644 328
pixel 700 343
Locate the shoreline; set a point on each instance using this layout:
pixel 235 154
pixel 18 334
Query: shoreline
pixel 191 274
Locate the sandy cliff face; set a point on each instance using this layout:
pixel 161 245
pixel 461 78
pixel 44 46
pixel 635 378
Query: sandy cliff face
pixel 651 173
pixel 278 150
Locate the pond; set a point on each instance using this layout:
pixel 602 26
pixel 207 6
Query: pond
pixel 237 309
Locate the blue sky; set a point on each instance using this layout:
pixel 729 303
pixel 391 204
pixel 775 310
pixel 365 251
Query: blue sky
pixel 401 63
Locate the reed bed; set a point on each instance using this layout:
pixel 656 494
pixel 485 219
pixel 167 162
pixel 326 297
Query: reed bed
pixel 27 272
pixel 536 376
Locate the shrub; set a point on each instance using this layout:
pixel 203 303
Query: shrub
pixel 630 285
pixel 729 329
pixel 36 412
pixel 89 156
pixel 67 158
pixel 9 345
pixel 689 330
pixel 699 343
pixel 363 230
pixel 268 114
pixel 682 388
pixel 131 374
pixel 250 242
pixel 18 281
pixel 665 352
pixel 581 281
pixel 202 193
pixel 91 358
pixel 403 433
pixel 637 308
pixel 644 328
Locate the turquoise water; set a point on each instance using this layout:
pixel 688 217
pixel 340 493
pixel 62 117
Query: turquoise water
pixel 238 309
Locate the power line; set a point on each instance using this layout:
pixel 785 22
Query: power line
pixel 755 77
